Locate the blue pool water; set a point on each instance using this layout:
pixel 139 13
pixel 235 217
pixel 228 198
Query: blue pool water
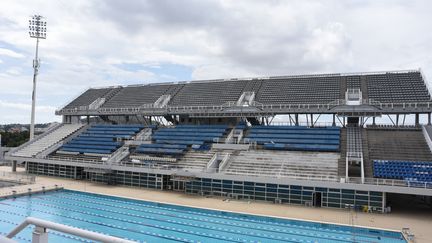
pixel 156 222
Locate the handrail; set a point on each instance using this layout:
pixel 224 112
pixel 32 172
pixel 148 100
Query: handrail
pixel 224 161
pixel 326 106
pixel 230 136
pixel 65 229
pixel 329 178
pixel 427 137
pixel 212 161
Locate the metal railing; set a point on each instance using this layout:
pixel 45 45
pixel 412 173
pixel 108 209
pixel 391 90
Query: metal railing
pixel 277 174
pixel 224 161
pixel 258 107
pixel 390 182
pixel 40 233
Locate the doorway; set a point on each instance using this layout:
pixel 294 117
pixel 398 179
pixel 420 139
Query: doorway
pixel 179 186
pixel 317 199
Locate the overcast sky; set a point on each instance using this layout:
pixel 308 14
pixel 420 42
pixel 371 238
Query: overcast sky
pixel 98 43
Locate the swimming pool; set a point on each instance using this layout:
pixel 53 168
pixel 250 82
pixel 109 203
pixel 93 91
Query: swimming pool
pixel 157 222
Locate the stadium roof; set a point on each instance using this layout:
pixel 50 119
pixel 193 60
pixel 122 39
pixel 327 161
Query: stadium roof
pixel 381 92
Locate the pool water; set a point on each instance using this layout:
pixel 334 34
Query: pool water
pixel 156 222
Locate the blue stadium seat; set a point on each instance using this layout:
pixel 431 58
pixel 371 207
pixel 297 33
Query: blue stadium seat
pixel 411 171
pixel 101 138
pixel 175 140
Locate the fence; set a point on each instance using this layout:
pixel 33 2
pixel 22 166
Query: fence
pixel 15 177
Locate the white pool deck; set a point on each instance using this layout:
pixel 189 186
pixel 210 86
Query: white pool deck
pixel 419 222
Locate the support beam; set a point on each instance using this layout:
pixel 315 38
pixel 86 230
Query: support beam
pixel 417 119
pixel 312 120
pixel 373 121
pixel 40 235
pixel 14 166
pixel 296 119
pixel 429 119
pixel 397 119
pixel 334 120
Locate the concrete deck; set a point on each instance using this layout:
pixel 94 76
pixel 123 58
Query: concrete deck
pixel 419 221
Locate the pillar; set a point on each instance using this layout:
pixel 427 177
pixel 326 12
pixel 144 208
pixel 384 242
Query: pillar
pixel 40 235
pixel 373 121
pixel 334 120
pixel 429 118
pixel 417 119
pixel 397 119
pixel 344 121
pixel 296 120
pixel 14 166
pixel 312 120
pixel 384 202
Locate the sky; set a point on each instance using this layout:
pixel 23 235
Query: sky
pixel 93 43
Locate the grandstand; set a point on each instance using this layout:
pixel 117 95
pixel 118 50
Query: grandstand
pixel 218 137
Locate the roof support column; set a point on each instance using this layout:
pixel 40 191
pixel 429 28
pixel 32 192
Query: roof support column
pixel 397 119
pixel 373 121
pixel 334 120
pixel 312 120
pixel 417 119
pixel 296 119
pixel 14 166
pixel 429 118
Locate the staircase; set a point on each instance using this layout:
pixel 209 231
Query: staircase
pixel 47 140
pixel 119 155
pixel 343 88
pixel 144 135
pixel 343 153
pixel 363 87
pixel 111 93
pixel 367 162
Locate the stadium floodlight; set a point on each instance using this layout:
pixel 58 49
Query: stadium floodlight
pixel 37 29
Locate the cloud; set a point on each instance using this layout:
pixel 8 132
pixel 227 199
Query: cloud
pixel 13 112
pixel 98 43
pixel 26 107
pixel 10 53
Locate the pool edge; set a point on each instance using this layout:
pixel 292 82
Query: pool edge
pixel 253 214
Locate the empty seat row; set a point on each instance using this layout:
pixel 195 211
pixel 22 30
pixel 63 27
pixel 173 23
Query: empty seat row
pixel 295 138
pixel 175 140
pixel 155 148
pixel 397 87
pixel 302 147
pixel 403 170
pixel 101 139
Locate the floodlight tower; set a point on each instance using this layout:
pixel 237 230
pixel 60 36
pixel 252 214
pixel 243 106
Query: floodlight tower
pixel 37 29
